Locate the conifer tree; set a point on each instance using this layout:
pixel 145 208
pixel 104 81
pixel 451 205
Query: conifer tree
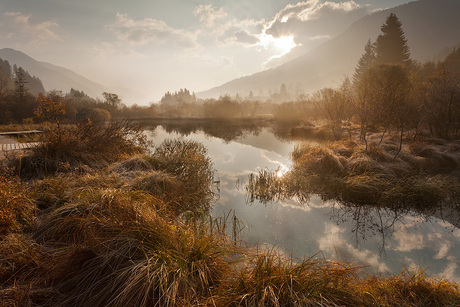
pixel 391 45
pixel 20 82
pixel 365 62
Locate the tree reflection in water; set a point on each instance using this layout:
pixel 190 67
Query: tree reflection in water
pixel 368 219
pixel 227 130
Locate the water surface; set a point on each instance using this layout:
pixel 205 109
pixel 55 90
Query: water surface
pixel 380 240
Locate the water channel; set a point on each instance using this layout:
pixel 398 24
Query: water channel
pixel 379 240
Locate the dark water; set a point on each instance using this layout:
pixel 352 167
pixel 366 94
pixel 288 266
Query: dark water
pixel 382 241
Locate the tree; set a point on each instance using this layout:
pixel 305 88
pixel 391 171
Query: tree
pixel 284 96
pixel 440 98
pixel 365 62
pixel 20 82
pixel 391 45
pixel 332 105
pixel 49 109
pixel 385 89
pixel 112 100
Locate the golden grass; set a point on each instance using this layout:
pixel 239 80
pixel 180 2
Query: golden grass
pixel 420 177
pixel 17 211
pixel 119 237
pixel 87 145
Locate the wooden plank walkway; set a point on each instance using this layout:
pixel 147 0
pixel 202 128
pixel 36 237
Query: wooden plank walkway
pixel 18 146
pixel 21 132
pixel 8 144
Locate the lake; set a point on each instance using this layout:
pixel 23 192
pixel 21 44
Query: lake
pixel 380 240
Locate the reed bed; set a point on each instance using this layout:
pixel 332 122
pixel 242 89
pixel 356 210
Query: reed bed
pixel 138 233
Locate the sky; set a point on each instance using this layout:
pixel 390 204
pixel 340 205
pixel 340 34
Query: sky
pixel 144 48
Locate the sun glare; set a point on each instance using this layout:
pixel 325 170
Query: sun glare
pixel 281 171
pixel 284 43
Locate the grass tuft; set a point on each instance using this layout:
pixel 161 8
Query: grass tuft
pixel 17 210
pixel 420 178
pixel 269 279
pixel 88 145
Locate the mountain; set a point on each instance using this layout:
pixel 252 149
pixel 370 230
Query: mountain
pixel 52 76
pixel 430 26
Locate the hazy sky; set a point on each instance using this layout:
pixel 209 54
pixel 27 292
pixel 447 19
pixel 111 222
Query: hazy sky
pixel 152 46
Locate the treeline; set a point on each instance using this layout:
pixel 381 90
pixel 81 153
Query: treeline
pixel 17 88
pixel 390 91
pixel 21 93
pixel 19 106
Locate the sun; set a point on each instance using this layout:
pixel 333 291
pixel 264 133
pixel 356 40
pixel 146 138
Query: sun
pixel 281 171
pixel 284 43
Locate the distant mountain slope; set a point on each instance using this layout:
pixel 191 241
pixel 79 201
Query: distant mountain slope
pixel 429 25
pixel 53 77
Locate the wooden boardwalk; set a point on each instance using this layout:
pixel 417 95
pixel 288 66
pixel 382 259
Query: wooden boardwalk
pixel 21 132
pixel 8 144
pixel 18 146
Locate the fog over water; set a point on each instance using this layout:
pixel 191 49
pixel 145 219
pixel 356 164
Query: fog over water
pixel 380 240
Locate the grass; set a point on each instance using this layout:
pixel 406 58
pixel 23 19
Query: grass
pixel 128 222
pixel 422 177
pixel 17 211
pixel 92 145
pixel 269 279
pixel 136 231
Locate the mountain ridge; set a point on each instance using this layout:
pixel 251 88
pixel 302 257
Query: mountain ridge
pixel 429 26
pixel 53 77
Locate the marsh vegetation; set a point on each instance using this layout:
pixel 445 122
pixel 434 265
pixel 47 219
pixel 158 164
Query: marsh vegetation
pixel 137 231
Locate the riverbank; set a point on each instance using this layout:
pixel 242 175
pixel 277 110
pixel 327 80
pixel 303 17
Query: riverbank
pixel 135 232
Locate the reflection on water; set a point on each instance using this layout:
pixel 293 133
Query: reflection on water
pixel 381 239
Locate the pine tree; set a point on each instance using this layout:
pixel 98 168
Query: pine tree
pixel 365 62
pixel 391 45
pixel 20 82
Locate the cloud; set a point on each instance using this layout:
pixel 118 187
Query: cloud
pixel 244 37
pixel 208 14
pixel 218 28
pixel 150 31
pixel 313 20
pixel 334 243
pixel 19 25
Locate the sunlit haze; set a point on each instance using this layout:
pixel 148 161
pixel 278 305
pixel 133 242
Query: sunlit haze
pixel 144 48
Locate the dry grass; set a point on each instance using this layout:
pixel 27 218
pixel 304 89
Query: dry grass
pixel 421 177
pixel 269 279
pixel 137 234
pixel 410 288
pixel 189 163
pixel 17 211
pixel 87 145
